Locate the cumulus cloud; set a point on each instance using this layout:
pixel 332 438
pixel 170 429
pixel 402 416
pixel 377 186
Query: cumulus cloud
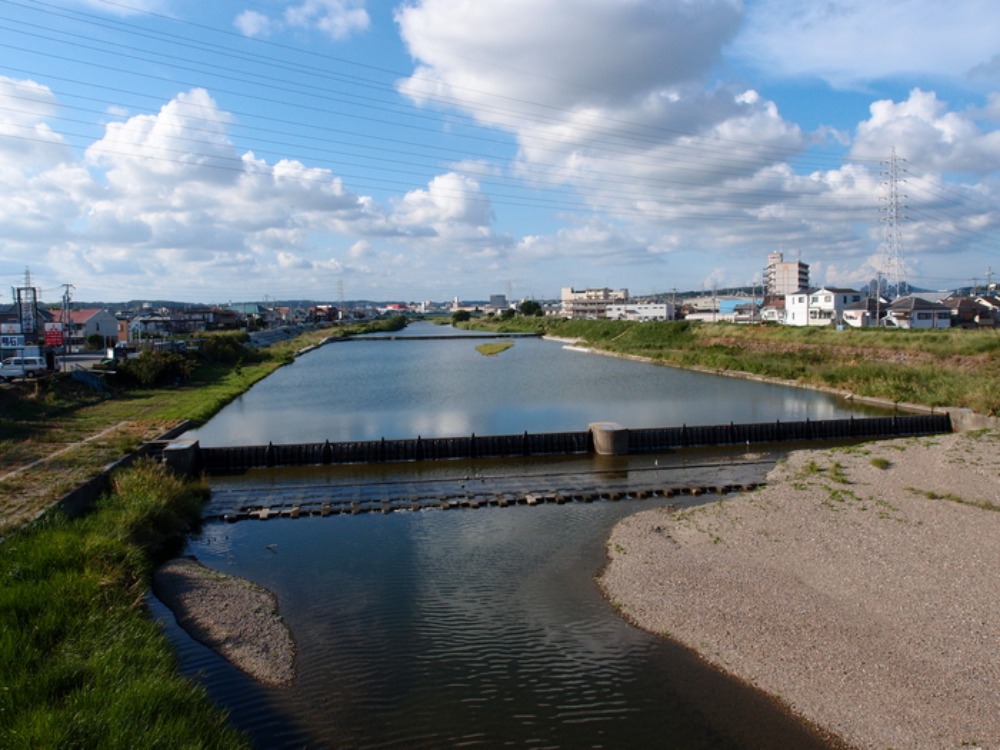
pixel 449 199
pixel 935 139
pixel 495 58
pixel 27 142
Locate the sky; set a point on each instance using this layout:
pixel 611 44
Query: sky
pixel 412 150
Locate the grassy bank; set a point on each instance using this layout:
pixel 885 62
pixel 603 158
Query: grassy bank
pixel 57 433
pixel 950 367
pixel 82 665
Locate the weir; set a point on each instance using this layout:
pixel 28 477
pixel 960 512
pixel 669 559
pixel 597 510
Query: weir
pixel 188 456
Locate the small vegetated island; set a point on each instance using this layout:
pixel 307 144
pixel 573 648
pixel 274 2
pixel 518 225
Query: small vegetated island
pixel 494 347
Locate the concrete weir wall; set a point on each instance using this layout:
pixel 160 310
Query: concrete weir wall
pixel 603 438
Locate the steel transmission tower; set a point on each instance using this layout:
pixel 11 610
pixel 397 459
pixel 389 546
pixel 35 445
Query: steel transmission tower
pixel 892 246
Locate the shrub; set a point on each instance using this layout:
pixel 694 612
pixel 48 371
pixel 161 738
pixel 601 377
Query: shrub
pixel 155 368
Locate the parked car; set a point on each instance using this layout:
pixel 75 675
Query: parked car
pixel 22 367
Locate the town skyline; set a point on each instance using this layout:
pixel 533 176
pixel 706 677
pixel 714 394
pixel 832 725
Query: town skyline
pixel 343 149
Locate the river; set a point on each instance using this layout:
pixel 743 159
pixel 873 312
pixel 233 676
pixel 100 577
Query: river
pixel 468 628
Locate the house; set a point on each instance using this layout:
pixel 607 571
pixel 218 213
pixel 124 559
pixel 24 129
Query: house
pixel 991 305
pixel 867 312
pixel 773 310
pixel 819 307
pixel 93 321
pixel 916 312
pixel 972 312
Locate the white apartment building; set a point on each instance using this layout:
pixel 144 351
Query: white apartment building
pixel 590 303
pixel 819 307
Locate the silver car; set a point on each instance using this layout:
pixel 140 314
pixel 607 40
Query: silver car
pixel 22 367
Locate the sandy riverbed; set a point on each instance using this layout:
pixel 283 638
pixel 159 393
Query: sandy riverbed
pixel 861 587
pixel 233 616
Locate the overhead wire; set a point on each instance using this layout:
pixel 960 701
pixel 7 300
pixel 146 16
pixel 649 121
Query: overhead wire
pixel 691 157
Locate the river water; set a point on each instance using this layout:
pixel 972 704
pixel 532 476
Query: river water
pixel 468 628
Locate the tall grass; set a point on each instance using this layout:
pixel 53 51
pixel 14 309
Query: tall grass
pixel 81 663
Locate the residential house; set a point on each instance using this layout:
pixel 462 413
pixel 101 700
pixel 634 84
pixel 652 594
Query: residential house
pixel 867 312
pixel 991 305
pixel 773 310
pixel 972 312
pixel 819 307
pixel 92 321
pixel 916 312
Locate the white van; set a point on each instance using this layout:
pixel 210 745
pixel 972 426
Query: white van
pixel 22 367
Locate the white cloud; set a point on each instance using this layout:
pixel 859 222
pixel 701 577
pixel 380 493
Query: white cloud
pixel 188 135
pixel 27 142
pixel 495 58
pixel 849 42
pixel 254 24
pixel 337 19
pixel 449 199
pixel 931 137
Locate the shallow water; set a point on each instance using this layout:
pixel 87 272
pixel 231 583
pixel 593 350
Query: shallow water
pixel 479 628
pixel 473 628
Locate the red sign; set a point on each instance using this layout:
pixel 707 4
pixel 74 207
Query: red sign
pixel 53 338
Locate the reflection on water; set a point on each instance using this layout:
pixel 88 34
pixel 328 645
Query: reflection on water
pixel 480 628
pixel 366 390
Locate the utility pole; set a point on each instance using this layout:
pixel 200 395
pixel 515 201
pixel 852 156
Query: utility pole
pixel 67 322
pixel 878 300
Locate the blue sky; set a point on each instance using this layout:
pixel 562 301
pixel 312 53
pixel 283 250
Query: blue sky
pixel 430 149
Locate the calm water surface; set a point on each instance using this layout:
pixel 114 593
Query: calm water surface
pixel 469 628
pixel 367 389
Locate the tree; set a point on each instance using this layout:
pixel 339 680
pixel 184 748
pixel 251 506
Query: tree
pixel 530 308
pixel 460 316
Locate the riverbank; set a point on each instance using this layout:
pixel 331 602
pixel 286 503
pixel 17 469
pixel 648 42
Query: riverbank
pixel 859 587
pixel 953 368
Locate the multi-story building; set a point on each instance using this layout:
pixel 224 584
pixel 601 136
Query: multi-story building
pixel 640 311
pixel 590 303
pixel 783 278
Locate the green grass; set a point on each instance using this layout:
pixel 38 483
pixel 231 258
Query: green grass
pixel 82 664
pixel 494 348
pixel 954 367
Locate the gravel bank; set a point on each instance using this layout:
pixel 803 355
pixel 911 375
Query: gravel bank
pixel 861 587
pixel 235 617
